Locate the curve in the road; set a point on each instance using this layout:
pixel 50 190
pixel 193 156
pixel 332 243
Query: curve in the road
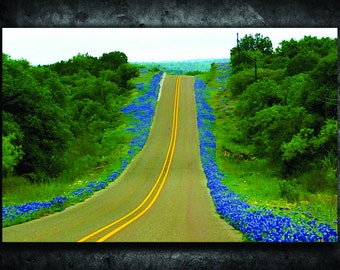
pixel 152 196
pixel 175 208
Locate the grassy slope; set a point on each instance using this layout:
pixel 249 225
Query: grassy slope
pixel 19 190
pixel 255 178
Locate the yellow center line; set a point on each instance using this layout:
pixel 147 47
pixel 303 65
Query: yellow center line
pixel 166 166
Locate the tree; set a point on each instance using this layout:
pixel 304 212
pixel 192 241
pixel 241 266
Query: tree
pixel 288 48
pixel 125 73
pixel 112 60
pixel 247 50
pixel 323 97
pixel 306 145
pixel 258 96
pixel 302 62
pixel 256 43
pixel 75 64
pixel 274 125
pixel 12 139
pixel 239 82
pixel 290 115
pixel 42 121
pixel 11 154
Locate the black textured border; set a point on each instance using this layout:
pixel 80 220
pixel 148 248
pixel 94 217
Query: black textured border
pixel 169 13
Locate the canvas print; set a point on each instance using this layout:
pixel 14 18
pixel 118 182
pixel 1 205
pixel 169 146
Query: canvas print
pixel 169 135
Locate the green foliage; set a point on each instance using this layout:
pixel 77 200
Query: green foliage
pixel 11 154
pixel 247 153
pixel 58 113
pixel 288 48
pixel 323 98
pixel 84 62
pixel 289 190
pixel 125 72
pixel 112 60
pixel 12 139
pixel 272 126
pixel 258 96
pixel 302 62
pixel 239 82
pixel 193 73
pixel 256 43
pixel 288 117
pixel 307 150
pixel 314 180
pixel 76 64
pixel 211 74
pixel 34 109
pixel 299 144
pixel 294 90
pixel 248 49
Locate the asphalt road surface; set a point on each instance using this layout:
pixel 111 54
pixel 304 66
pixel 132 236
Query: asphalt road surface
pixel 161 196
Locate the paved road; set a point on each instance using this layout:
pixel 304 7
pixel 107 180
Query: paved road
pixel 183 211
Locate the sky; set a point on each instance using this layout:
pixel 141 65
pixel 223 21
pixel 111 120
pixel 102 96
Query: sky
pixel 42 46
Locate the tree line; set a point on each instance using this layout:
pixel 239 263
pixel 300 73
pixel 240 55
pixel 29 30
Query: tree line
pixel 63 117
pixel 286 112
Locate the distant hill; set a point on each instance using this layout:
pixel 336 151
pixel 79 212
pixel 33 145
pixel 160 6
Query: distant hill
pixel 181 67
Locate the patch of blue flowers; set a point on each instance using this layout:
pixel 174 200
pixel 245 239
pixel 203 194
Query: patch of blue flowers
pixel 141 111
pixel 257 223
pixel 24 212
pixel 140 86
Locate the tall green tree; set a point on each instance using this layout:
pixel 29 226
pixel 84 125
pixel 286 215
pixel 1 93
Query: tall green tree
pixel 248 48
pixel 112 60
pixel 290 114
pixel 42 121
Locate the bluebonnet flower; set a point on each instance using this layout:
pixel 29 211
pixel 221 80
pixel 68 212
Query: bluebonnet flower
pixel 309 214
pixel 59 200
pixel 257 223
pixel 142 110
pixel 140 86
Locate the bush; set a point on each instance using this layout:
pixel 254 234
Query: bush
pixel 256 223
pixel 239 82
pixel 315 181
pixel 288 190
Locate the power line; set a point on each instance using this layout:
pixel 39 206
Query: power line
pixel 246 54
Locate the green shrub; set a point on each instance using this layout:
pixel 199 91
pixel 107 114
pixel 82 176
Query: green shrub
pixel 288 190
pixel 315 180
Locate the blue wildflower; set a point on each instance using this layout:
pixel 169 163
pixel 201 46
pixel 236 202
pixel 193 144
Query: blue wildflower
pixel 257 223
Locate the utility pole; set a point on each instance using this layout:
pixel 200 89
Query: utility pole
pixel 238 48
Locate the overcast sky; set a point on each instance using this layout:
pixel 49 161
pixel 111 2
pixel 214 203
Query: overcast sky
pixel 50 45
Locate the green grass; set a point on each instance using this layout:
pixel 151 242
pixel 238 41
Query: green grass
pixel 260 186
pixel 257 179
pixel 19 190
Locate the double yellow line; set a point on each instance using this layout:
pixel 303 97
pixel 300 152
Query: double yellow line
pixel 152 196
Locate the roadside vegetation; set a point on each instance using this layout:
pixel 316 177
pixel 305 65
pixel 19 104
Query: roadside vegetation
pixel 276 137
pixel 257 223
pixel 268 133
pixel 68 129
